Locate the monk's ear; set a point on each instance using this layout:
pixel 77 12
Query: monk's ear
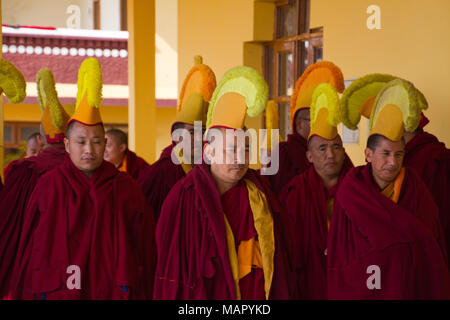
pixel 123 147
pixel 66 144
pixel 368 153
pixel 309 156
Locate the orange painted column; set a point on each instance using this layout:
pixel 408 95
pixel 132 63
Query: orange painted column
pixel 141 78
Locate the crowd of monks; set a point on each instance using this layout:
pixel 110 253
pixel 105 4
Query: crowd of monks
pixel 84 217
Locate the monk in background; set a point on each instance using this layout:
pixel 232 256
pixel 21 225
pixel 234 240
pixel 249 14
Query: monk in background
pixel 431 160
pixel 292 153
pixel 118 154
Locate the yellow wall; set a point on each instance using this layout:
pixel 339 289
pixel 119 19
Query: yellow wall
pixel 215 29
pixel 413 43
pixel 141 78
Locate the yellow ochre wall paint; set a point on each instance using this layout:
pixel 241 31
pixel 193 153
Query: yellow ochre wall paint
pixel 141 78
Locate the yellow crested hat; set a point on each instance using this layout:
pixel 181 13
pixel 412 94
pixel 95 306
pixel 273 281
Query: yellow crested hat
pixel 319 72
pixel 272 122
pixel 358 99
pixel 325 112
pixel 397 107
pixel 12 82
pixel 54 117
pixel 241 91
pixel 195 94
pixel 89 95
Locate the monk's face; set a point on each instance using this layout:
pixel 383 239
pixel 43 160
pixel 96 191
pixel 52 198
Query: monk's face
pixel 302 123
pixel 386 160
pixel 231 173
pixel 86 146
pixel 114 151
pixel 327 156
pixel 34 146
pixel 196 142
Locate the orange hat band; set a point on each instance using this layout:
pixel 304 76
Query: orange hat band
pixel 389 123
pixel 86 114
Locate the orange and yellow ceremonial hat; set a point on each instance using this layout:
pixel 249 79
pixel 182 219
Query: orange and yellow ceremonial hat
pixel 319 72
pixel 54 117
pixel 241 91
pixel 396 108
pixel 358 99
pixel 325 112
pixel 12 82
pixel 196 92
pixel 89 95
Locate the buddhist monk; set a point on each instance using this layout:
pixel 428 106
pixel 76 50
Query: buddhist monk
pixel 22 175
pixel 120 156
pixel 35 144
pixel 431 160
pixel 157 180
pixel 385 239
pixel 221 233
pixel 309 197
pixel 92 230
pixel 292 153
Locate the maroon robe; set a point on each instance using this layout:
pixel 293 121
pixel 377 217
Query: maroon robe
pixel 305 200
pixel 237 209
pixel 11 165
pixel 135 164
pixel 403 240
pixel 431 160
pixel 292 160
pixel 101 224
pixel 22 178
pixel 158 179
pixel 193 260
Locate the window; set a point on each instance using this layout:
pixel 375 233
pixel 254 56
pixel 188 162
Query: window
pixel 294 48
pixel 96 9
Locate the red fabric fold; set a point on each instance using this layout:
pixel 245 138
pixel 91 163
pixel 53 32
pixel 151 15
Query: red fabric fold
pixel 305 201
pixel 135 164
pixel 292 159
pixel 22 178
pixel 431 160
pixel 157 180
pixel 193 261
